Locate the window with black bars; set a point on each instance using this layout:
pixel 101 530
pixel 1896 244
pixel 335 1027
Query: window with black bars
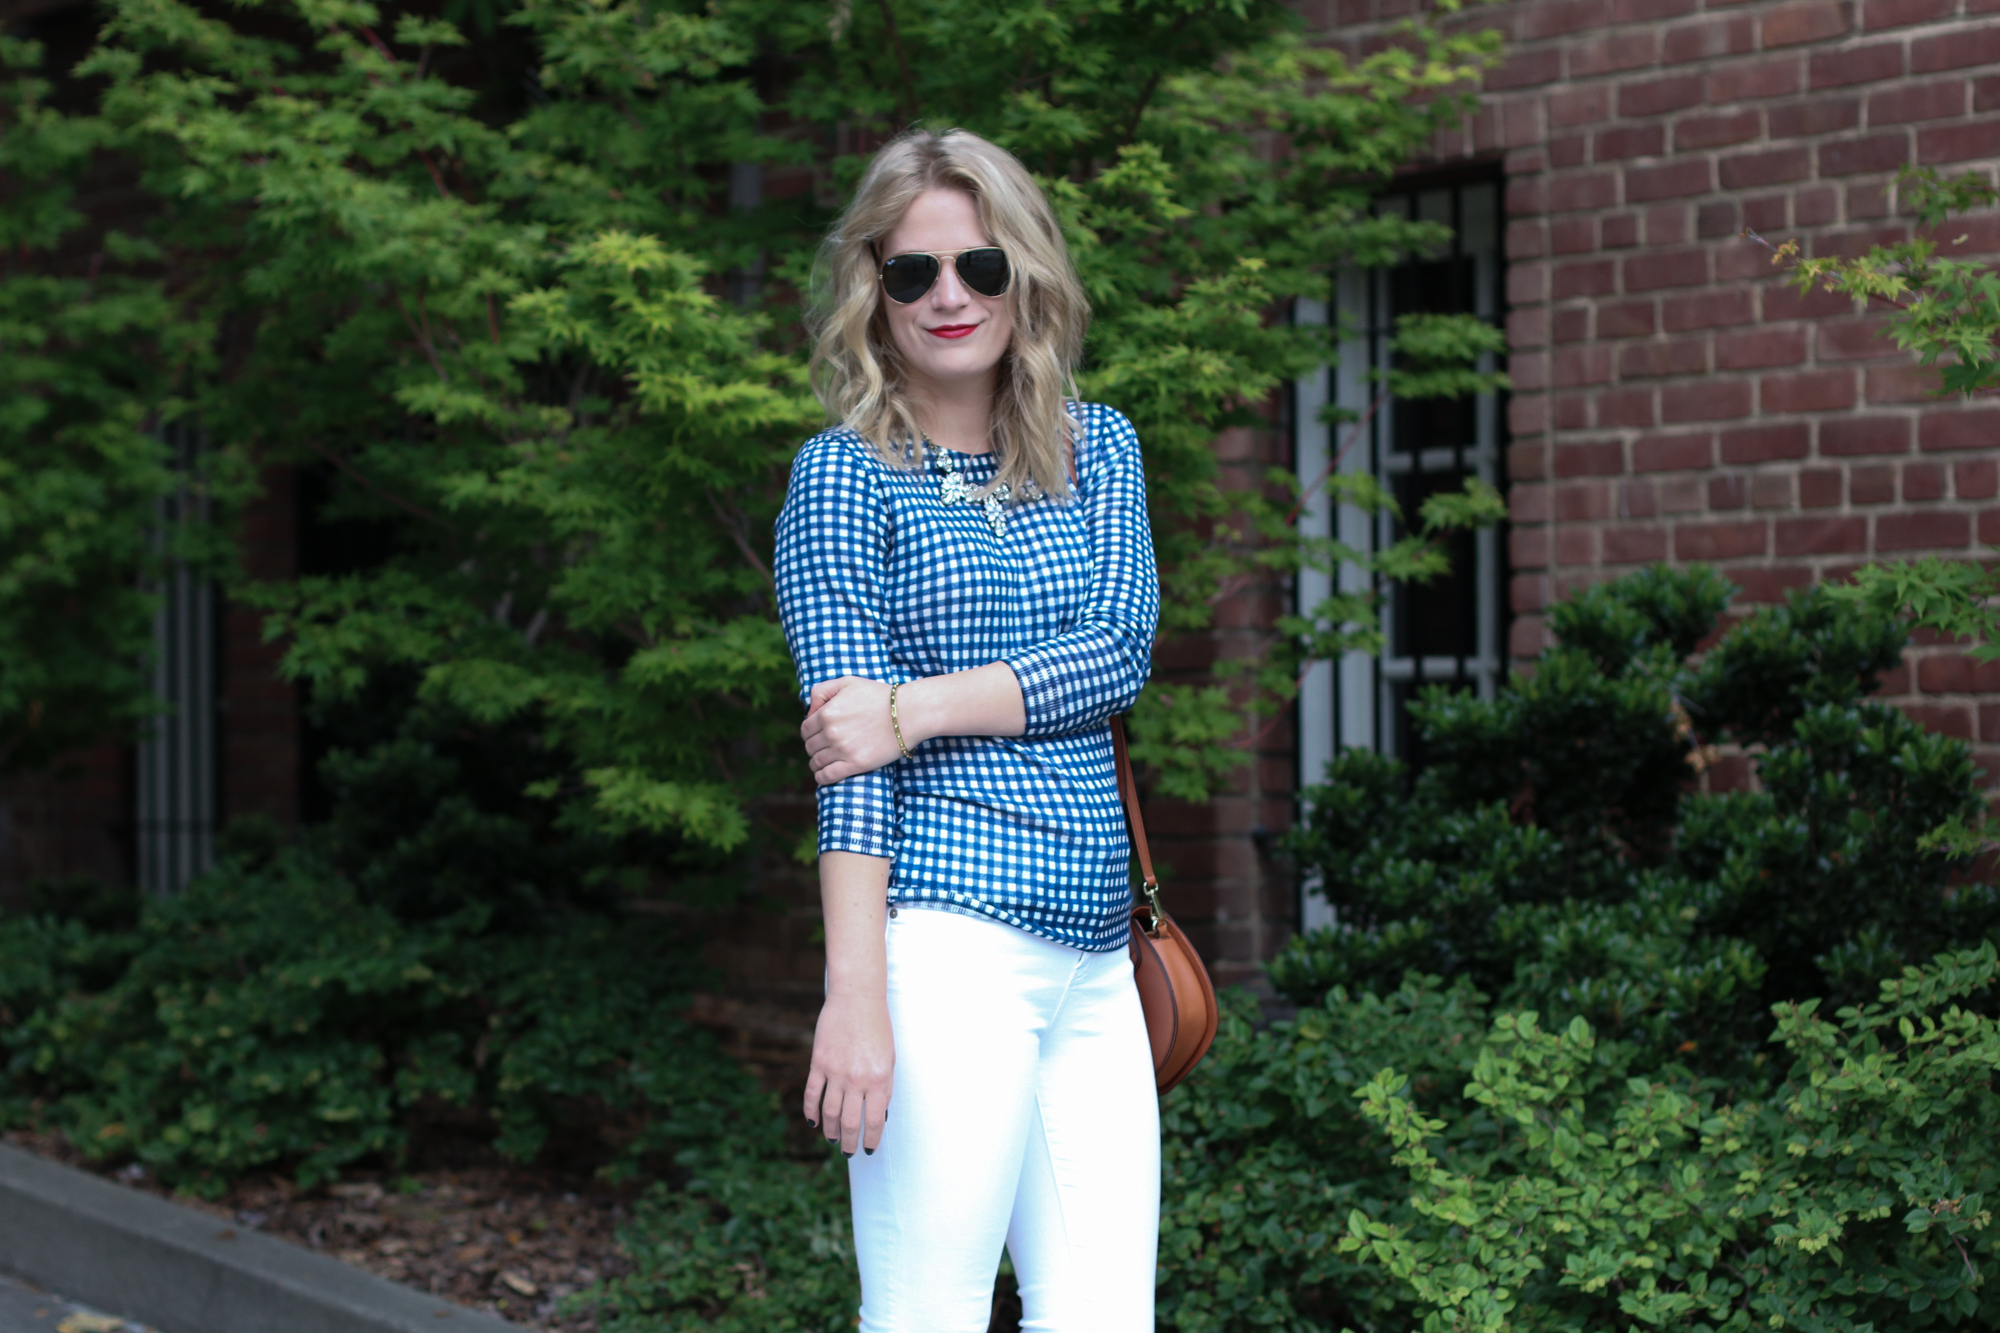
pixel 1451 631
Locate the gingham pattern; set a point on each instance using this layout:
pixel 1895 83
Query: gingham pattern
pixel 878 578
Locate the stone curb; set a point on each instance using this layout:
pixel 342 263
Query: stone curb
pixel 181 1271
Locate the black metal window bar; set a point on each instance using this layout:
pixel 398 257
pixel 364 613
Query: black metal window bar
pixel 177 770
pixel 1451 631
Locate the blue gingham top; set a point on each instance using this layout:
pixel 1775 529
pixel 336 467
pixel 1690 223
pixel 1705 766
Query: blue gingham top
pixel 878 578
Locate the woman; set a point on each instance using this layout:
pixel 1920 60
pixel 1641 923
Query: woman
pixel 967 585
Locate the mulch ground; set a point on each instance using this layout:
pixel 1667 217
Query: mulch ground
pixel 511 1240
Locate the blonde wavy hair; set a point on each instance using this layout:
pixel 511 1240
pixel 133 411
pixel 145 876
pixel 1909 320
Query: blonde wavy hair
pixel 858 373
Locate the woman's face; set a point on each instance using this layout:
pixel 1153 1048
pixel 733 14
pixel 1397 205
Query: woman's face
pixel 951 337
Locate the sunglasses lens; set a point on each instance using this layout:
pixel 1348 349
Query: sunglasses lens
pixel 907 277
pixel 985 271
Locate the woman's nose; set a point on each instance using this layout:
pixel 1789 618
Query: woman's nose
pixel 948 292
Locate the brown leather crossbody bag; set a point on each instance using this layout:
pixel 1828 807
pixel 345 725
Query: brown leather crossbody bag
pixel 1174 988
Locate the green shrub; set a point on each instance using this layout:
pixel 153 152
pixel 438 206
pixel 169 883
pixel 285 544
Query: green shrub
pixel 1555 854
pixel 1853 1197
pixel 269 1017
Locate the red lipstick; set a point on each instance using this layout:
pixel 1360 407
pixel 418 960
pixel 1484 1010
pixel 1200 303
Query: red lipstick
pixel 951 330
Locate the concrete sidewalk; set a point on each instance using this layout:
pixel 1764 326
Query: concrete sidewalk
pixel 26 1309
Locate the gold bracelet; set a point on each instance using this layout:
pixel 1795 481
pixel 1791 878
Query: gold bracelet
pixel 895 725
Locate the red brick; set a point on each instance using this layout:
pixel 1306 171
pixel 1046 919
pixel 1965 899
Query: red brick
pixel 1608 53
pixel 1528 548
pixel 1568 236
pixel 1820 488
pixel 1594 277
pixel 1822 536
pixel 1874 152
pixel 1757 349
pixel 1682 314
pixel 1721 218
pixel 1627 319
pixel 1650 11
pixel 1812 205
pixel 1815 116
pixel 1721 541
pixel 1766 212
pixel 1569 150
pixel 1572 324
pixel 1872 486
pixel 1945 720
pixel 1764 444
pixel 1989 723
pixel 1727 492
pixel 1809 391
pixel 1811 21
pixel 1526 636
pixel 1707 40
pixel 1588 105
pixel 1685 356
pixel 1527 196
pixel 1667 224
pixel 1918 101
pixel 1528 328
pixel 1718 131
pixel 1853 339
pixel 1529 503
pixel 1638 499
pixel 1556 18
pixel 1633 544
pixel 1652 97
pixel 1989 527
pixel 1598 458
pixel 1916 532
pixel 1746 171
pixel 1879 14
pixel 1901 384
pixel 1956 50
pixel 1582 502
pixel 1955 673
pixel 1625 408
pixel 1528 283
pixel 1526 69
pixel 1527 414
pixel 1855 64
pixel 1986 93
pixel 1977 479
pixel 1574 191
pixel 1588 364
pixel 1572 411
pixel 1651 271
pixel 1749 81
pixel 1924 481
pixel 1530 370
pixel 1621 231
pixel 1771 490
pixel 1846 436
pixel 1682 494
pixel 1629 141
pixel 1959 143
pixel 1763 586
pixel 1976 429
pixel 1709 400
pixel 1672 453
pixel 1674 179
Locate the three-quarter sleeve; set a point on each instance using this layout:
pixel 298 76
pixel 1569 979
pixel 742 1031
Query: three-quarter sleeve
pixel 833 540
pixel 1097 667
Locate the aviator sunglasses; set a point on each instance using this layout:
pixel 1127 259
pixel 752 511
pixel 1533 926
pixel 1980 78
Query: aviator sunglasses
pixel 905 278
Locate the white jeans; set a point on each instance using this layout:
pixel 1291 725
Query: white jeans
pixel 1023 1111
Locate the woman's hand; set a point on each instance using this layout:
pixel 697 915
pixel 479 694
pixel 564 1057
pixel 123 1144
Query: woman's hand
pixel 853 1071
pixel 847 729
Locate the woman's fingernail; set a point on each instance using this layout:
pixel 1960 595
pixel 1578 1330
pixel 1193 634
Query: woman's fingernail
pixel 869 1151
pixel 848 1155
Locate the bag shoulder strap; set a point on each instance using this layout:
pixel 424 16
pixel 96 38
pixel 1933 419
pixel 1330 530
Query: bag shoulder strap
pixel 1135 823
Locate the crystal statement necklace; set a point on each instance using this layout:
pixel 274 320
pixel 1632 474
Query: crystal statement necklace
pixel 954 489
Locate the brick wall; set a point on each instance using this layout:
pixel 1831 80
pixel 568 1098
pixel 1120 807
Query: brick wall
pixel 1674 399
